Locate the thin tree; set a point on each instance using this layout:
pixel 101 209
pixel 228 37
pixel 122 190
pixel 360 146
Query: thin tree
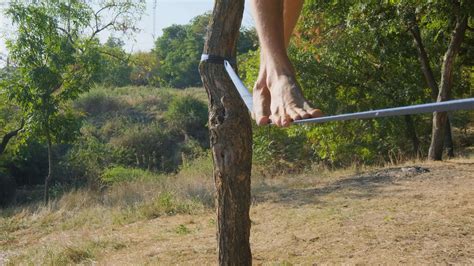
pixel 230 137
pixel 440 119
pixel 55 54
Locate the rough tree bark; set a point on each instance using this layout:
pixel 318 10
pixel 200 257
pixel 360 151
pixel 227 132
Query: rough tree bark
pixel 440 118
pixel 230 137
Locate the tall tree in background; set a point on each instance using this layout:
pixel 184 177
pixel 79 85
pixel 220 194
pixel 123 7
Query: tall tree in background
pixel 457 16
pixel 438 29
pixel 145 69
pixel 355 56
pixel 352 57
pixel 114 69
pixel 179 51
pixel 55 54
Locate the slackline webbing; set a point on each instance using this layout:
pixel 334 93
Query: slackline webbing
pixel 453 105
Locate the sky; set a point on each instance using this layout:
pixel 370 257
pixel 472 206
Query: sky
pixel 168 12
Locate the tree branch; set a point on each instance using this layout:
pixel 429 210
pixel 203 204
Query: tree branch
pixel 121 59
pixel 423 57
pixel 10 135
pixel 99 29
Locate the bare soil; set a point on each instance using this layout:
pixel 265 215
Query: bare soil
pixel 419 213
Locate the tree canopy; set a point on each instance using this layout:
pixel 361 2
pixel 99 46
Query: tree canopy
pixel 55 55
pixel 179 51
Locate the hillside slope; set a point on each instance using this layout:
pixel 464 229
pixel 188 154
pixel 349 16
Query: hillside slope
pixel 403 214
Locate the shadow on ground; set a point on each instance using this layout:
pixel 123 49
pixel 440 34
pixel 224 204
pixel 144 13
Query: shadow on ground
pixel 364 186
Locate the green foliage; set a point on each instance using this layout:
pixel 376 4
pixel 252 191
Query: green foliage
pixel 352 57
pixel 145 69
pixel 90 156
pixel 10 120
pixel 114 69
pixel 359 56
pixel 248 41
pixel 121 174
pixel 130 128
pixel 280 150
pixel 54 60
pixel 349 57
pixel 51 68
pixel 249 64
pixel 179 50
pixel 151 147
pixel 97 102
pixel 191 150
pixel 165 204
pixel 7 189
pixel 65 126
pixel 29 163
pixel 188 116
pixel 182 230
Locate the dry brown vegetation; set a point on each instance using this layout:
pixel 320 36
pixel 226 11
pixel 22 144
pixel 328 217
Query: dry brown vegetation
pixel 392 215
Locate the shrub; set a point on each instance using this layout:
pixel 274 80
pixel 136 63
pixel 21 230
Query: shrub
pixel 151 147
pixel 188 116
pixel 166 204
pixel 281 150
pixel 97 102
pixel 121 174
pixel 7 189
pixel 29 164
pixel 88 158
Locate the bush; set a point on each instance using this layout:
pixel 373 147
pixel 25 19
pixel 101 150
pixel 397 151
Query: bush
pixel 121 174
pixel 7 190
pixel 166 204
pixel 88 158
pixel 151 147
pixel 97 102
pixel 29 164
pixel 281 150
pixel 188 115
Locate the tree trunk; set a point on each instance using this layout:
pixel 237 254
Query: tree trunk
pixel 430 80
pixel 230 136
pixel 440 118
pixel 411 134
pixel 424 61
pixel 50 166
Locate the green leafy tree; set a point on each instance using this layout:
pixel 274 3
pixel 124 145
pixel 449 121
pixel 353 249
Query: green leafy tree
pixel 115 67
pixel 55 56
pixel 188 116
pixel 438 29
pixel 178 57
pixel 357 56
pixel 179 51
pixel 446 23
pixel 367 55
pixel 144 69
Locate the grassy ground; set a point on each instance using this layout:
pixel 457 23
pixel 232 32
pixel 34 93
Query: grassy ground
pixel 392 215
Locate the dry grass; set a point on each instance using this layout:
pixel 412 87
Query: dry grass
pixel 356 216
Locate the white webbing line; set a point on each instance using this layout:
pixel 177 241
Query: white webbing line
pixel 462 104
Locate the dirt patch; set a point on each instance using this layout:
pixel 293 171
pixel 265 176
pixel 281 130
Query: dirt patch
pixel 411 214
